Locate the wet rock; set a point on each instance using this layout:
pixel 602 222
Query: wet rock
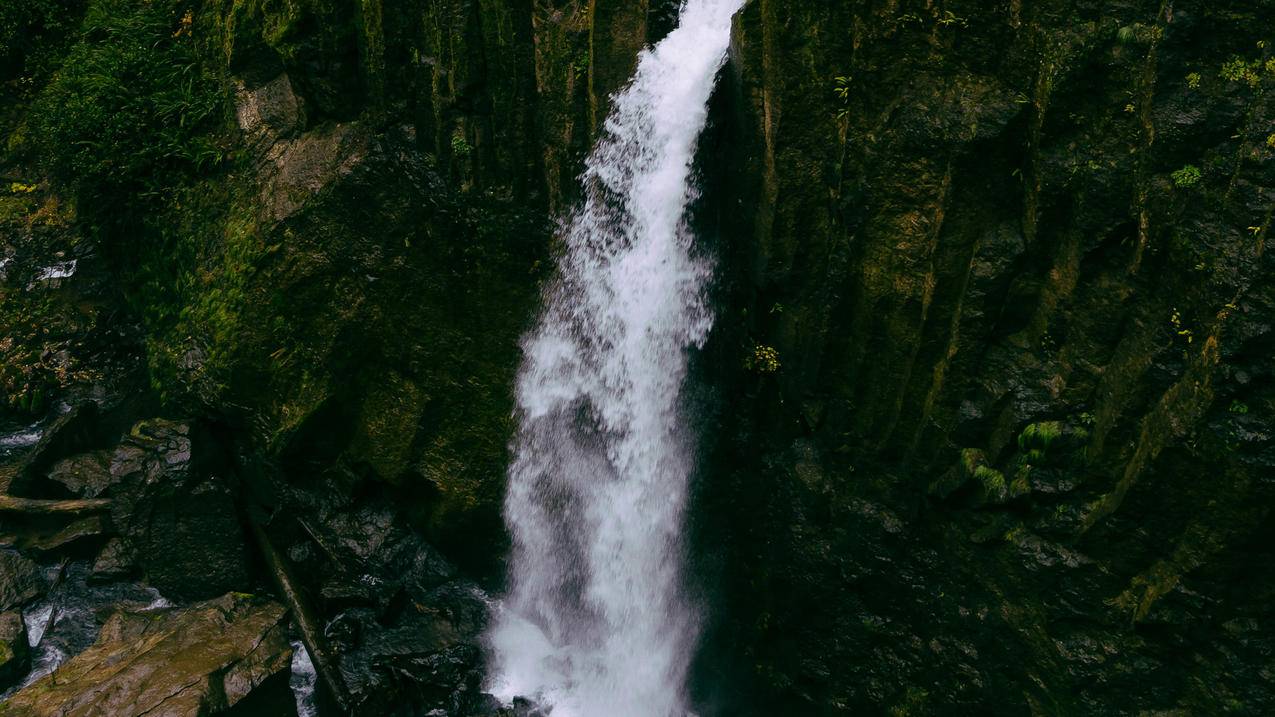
pixel 403 627
pixel 87 475
pixel 230 652
pixel 67 620
pixel 15 653
pixel 79 536
pixel 177 515
pixel 21 580
pixel 115 561
pixel 74 431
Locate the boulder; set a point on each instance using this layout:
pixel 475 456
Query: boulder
pixel 177 514
pixel 86 475
pixel 15 653
pixel 401 623
pixel 115 561
pixel 76 430
pixel 21 580
pixel 229 652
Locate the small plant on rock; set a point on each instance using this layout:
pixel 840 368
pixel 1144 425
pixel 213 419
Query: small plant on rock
pixel 1188 176
pixel 841 88
pixel 1036 438
pixel 763 359
pixel 460 146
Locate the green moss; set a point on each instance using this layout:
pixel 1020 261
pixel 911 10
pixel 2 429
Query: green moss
pixel 971 459
pixel 388 423
pixel 991 480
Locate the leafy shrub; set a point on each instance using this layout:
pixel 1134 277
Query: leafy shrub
pixel 129 114
pixel 1188 176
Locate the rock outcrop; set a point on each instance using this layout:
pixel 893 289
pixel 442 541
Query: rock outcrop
pixel 15 652
pixel 1009 262
pixel 223 655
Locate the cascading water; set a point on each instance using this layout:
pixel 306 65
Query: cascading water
pixel 597 623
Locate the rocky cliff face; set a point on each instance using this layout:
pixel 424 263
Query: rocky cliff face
pixel 993 417
pixel 1012 449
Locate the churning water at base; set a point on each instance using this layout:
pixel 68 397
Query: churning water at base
pixel 597 623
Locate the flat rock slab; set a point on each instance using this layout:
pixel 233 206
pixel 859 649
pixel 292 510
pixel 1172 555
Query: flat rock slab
pixel 199 660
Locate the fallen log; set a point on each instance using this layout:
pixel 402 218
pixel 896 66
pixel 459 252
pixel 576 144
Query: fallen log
pixel 310 628
pixel 37 506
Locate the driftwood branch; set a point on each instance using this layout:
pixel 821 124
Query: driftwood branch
pixel 35 506
pixel 311 630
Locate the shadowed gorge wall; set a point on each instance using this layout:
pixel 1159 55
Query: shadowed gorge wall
pixel 1010 264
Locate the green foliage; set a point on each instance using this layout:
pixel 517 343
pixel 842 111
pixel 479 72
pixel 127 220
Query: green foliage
pixel 945 19
pixel 1241 70
pixel 763 359
pixel 1188 176
pixel 30 31
pixel 1193 80
pixel 130 114
pixel 461 148
pixel 1250 72
pixel 1175 320
pixel 1039 436
pixel 991 480
pixel 841 88
pixel 1238 407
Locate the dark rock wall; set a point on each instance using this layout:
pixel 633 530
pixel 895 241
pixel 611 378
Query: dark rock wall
pixel 1010 261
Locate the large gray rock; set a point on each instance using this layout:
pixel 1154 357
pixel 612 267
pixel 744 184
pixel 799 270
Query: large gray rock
pixel 230 652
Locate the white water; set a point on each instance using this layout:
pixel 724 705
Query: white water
pixel 597 623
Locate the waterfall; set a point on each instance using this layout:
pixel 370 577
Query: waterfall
pixel 597 622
